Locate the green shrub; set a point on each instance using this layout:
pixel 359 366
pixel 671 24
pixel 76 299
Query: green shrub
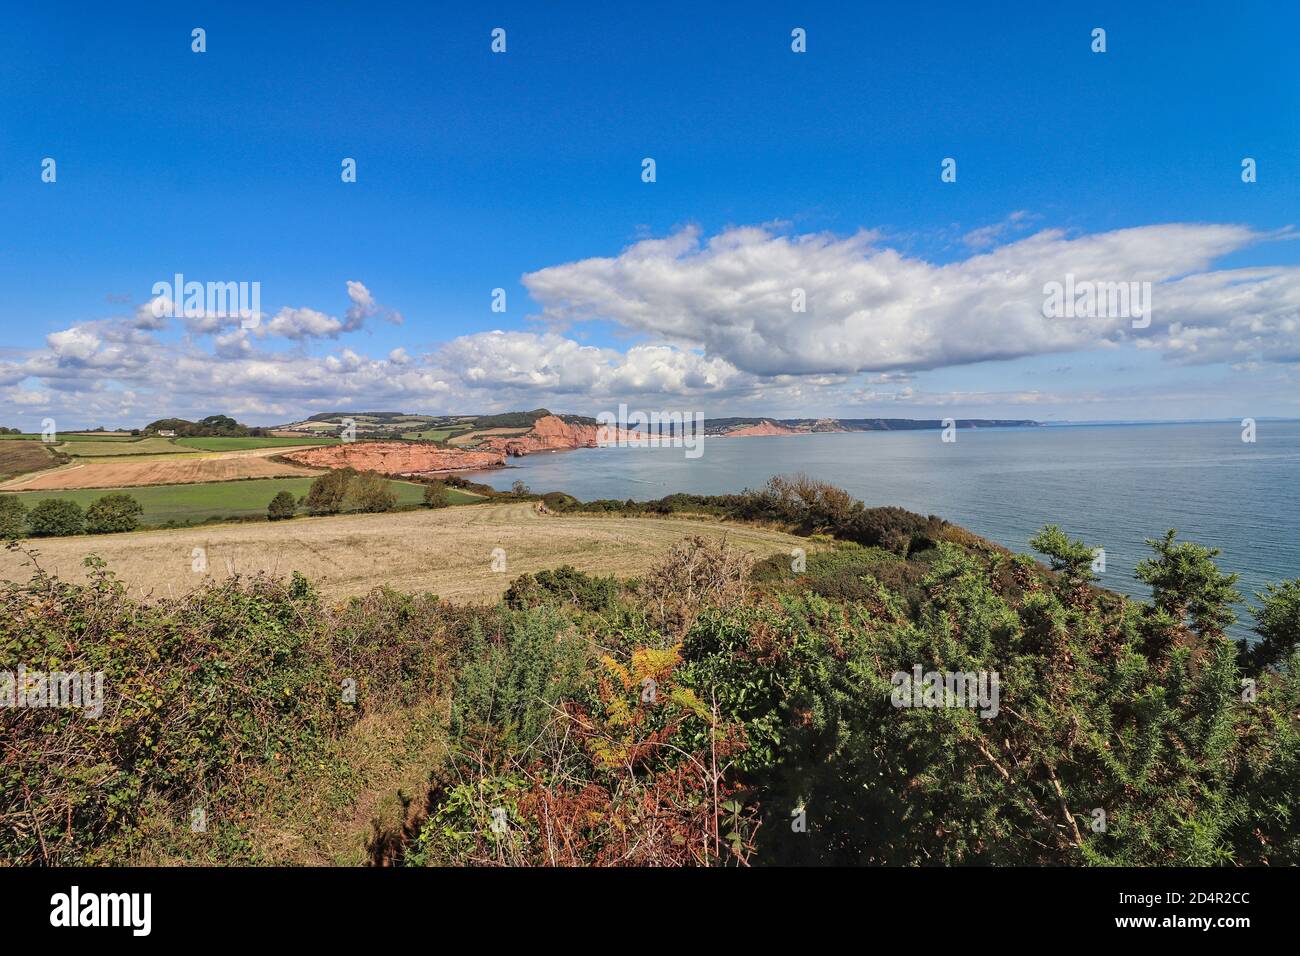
pixel 559 502
pixel 510 680
pixel 564 585
pixel 56 517
pixel 1277 622
pixel 436 495
pixel 328 492
pixel 1135 710
pixel 113 513
pixel 282 506
pixel 369 492
pixel 227 698
pixel 13 517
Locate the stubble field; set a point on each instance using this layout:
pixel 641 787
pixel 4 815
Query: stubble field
pixel 446 551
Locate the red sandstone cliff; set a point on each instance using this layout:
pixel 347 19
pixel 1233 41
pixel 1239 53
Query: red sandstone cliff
pixel 396 458
pixel 549 433
pixel 552 433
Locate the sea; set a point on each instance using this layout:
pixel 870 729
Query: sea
pixel 1112 485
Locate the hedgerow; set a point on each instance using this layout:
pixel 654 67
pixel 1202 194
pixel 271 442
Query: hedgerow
pixel 705 714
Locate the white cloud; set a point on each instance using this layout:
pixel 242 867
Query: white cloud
pixel 77 344
pixel 714 330
pixel 300 324
pixel 552 363
pixel 154 315
pixel 871 308
pixel 364 307
pixel 987 236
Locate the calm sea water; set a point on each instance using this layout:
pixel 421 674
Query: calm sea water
pixel 1112 485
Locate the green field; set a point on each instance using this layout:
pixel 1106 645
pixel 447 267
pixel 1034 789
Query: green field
pixel 188 504
pixel 236 444
pixel 68 436
pixel 136 446
pixel 434 434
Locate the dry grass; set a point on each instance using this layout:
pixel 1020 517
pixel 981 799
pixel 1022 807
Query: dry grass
pixel 447 551
pixel 176 469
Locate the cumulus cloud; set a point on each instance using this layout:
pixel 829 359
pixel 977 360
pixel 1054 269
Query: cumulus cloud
pixel 295 323
pixel 76 344
pixel 154 315
pixel 711 327
pixel 300 324
pixel 364 307
pixel 870 308
pixel 551 363
pixel 97 379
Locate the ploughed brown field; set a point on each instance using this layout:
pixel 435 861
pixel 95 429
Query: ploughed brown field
pixel 446 551
pixel 176 469
pixel 18 457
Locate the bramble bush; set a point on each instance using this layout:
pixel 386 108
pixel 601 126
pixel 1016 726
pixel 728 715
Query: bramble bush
pixel 221 699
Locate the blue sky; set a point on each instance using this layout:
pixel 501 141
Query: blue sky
pixel 774 169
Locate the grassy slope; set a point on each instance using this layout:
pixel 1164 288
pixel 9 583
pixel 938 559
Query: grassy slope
pixel 432 434
pixel 218 499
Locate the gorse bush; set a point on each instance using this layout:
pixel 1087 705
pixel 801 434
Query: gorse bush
pixel 1100 751
pixel 695 573
pixel 1278 625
